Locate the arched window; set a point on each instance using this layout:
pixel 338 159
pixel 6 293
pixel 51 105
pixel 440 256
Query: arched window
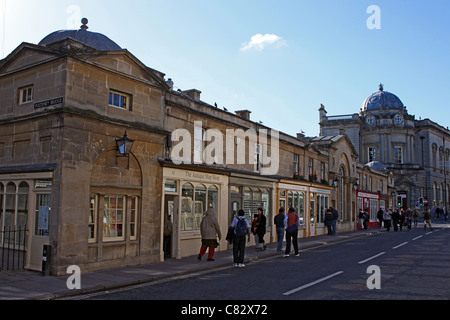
pixel 10 206
pixel 14 214
pixel 22 205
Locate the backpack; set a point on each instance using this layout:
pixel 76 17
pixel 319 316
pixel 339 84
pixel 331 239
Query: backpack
pixel 241 227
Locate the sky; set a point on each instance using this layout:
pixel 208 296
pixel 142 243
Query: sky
pixel 280 59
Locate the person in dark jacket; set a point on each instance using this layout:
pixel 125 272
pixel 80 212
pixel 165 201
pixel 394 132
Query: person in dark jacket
pixel 380 215
pixel 335 218
pixel 328 221
pixel 260 229
pixel 395 219
pixel 279 225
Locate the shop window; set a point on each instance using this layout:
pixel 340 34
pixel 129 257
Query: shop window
pixel 42 215
pixel 133 217
pixel 113 218
pixel 14 213
pixel 187 213
pixel 93 219
pixel 118 211
pixel 254 199
pixel 322 206
pixel 199 205
pixel 170 186
pixel 195 201
pixel 213 198
pixel 296 200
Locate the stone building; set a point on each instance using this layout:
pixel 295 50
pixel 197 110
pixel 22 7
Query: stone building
pixel 100 155
pixel 64 104
pixel 415 151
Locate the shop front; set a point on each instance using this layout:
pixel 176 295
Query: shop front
pixel 370 202
pixel 187 196
pixel 25 209
pixel 309 202
pixel 250 193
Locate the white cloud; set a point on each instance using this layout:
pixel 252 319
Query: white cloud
pixel 260 41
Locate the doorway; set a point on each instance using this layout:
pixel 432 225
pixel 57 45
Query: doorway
pixel 39 233
pixel 312 217
pixel 170 226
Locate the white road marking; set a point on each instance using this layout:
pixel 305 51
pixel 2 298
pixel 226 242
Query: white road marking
pixel 400 245
pixel 312 283
pixel 375 256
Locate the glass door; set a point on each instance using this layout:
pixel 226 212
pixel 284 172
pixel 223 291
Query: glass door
pixel 40 233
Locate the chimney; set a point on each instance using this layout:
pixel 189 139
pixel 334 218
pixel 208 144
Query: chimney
pixel 170 83
pixel 244 114
pixel 193 93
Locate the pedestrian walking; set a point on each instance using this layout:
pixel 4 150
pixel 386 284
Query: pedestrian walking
pixel 167 244
pixel 395 218
pixel 279 225
pixel 380 214
pixel 416 218
pixel 328 221
pixel 253 230
pixel 445 214
pixel 335 218
pixel 427 219
pixel 361 218
pixel 365 220
pixel 209 230
pixel 260 229
pixel 241 229
pixel 401 219
pixel 291 224
pixel 387 218
pixel 408 217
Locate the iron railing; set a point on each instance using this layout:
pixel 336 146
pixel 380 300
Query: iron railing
pixel 12 248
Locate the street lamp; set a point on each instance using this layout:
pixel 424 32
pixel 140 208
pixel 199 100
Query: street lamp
pixel 124 146
pixel 336 182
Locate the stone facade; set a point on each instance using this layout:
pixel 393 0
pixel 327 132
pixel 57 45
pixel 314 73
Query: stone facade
pixel 65 103
pixel 416 152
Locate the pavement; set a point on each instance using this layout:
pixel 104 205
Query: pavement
pixel 29 285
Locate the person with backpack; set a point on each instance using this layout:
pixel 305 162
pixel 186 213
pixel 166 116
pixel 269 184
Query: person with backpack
pixel 291 223
pixel 241 228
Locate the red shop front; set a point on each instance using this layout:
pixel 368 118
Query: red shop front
pixel 369 202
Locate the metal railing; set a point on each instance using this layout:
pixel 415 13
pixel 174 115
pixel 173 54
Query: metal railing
pixel 12 248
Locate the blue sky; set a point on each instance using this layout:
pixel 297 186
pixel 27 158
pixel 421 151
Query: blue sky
pixel 303 53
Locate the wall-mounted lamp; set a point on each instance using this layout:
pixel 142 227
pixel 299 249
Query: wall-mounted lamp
pixel 356 186
pixel 335 182
pixel 124 146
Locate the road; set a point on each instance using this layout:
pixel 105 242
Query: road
pixel 405 265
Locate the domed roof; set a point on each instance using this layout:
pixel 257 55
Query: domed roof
pixel 94 40
pixel 377 165
pixel 382 100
